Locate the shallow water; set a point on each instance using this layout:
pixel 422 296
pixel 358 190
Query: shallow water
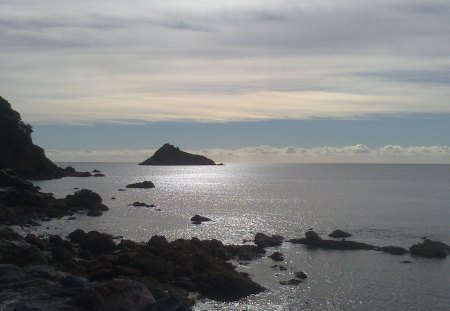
pixel 378 204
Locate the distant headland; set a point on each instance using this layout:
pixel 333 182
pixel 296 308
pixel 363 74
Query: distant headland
pixel 171 155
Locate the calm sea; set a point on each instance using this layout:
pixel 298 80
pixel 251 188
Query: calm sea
pixel 378 204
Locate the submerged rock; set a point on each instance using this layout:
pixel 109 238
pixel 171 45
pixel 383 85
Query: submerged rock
pixel 301 275
pixel 264 241
pixel 141 204
pixel 141 185
pixel 430 249
pixel 171 155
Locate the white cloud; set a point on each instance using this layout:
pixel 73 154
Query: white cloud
pixel 84 61
pixel 347 154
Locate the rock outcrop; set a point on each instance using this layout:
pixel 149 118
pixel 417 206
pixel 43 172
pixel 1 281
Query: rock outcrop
pixel 263 240
pixel 91 272
pixel 430 249
pixel 17 150
pixel 171 155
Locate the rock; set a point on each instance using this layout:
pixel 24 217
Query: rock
pixel 197 219
pixel 84 197
pixel 9 178
pixel 141 185
pixel 394 250
pixel 99 175
pixel 36 241
pixel 171 155
pixel 113 198
pixel 430 249
pixel 339 234
pixel 157 241
pixel 300 275
pixel 139 204
pixel 94 213
pixel 61 253
pixel 77 236
pixel 120 189
pixel 69 171
pixel 312 236
pixel 96 171
pixel 98 242
pixel 405 261
pixel 171 302
pixel 14 250
pixel 17 149
pixel 313 240
pixel 118 294
pixel 291 282
pixel 277 256
pixel 264 241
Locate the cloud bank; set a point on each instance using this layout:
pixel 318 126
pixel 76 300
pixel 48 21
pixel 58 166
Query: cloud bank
pixel 347 154
pixel 109 61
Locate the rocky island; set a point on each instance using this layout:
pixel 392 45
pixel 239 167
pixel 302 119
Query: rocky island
pixel 171 155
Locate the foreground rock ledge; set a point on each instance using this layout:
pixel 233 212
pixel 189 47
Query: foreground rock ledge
pixel 91 272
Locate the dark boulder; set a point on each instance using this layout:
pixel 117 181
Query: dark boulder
pixel 15 250
pixel 430 249
pixel 99 175
pixel 36 241
pixel 9 178
pixel 197 219
pixel 339 234
pixel 98 242
pixel 312 236
pixel 277 256
pixel 84 197
pixel 171 155
pixel 141 185
pixel 77 236
pixel 264 241
pixel 94 213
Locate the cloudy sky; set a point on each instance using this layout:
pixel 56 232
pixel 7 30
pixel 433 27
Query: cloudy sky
pixel 279 81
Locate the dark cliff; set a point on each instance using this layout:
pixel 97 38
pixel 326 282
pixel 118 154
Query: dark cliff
pixel 17 150
pixel 170 155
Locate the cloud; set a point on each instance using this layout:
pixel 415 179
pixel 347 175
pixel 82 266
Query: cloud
pixel 346 154
pixel 84 61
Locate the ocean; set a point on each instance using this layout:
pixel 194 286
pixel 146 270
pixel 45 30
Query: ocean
pixel 379 204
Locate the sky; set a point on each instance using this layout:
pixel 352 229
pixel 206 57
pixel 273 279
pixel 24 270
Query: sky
pixel 254 81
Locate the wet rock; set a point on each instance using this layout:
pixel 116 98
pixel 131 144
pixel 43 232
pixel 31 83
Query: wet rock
pixel 96 171
pixel 405 261
pixel 141 204
pixel 312 236
pixel 197 219
pixel 277 256
pixel 291 282
pixel 394 250
pixel 99 175
pixel 141 185
pixel 430 249
pixel 69 171
pixel 301 275
pixel 77 236
pixel 264 241
pixel 171 302
pixel 118 294
pixel 339 234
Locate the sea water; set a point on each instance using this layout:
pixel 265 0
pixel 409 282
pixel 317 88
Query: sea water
pixel 379 204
